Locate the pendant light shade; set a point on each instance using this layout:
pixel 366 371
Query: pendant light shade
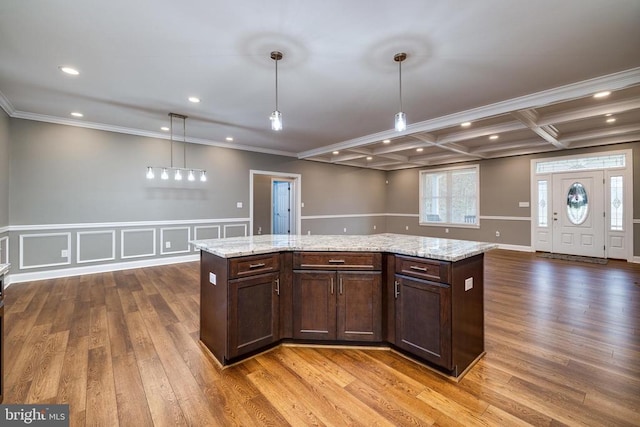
pixel 401 117
pixel 276 116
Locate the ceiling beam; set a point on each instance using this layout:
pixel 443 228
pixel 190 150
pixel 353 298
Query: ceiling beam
pixel 591 111
pixel 530 119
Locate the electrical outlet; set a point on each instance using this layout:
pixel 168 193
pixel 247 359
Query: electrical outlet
pixel 239 205
pixel 167 245
pixel 302 205
pixel 64 253
pixel 259 230
pixel 212 278
pixel 374 227
pixel 406 227
pixel 468 283
pixel 497 234
pixel 345 229
pixel 308 232
pixel 446 230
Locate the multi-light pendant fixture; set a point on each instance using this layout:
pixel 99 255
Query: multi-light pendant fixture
pixel 401 117
pixel 177 171
pixel 276 116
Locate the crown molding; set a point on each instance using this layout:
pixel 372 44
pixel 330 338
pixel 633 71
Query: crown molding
pixel 6 105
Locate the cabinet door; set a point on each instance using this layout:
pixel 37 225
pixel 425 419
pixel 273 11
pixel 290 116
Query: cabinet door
pixel 423 319
pixel 359 310
pixel 314 305
pixel 253 313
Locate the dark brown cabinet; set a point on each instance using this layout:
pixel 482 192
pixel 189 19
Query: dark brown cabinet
pixel 253 313
pixel 329 305
pixel 240 304
pixel 337 296
pixel 438 310
pixel 423 319
pixel 428 309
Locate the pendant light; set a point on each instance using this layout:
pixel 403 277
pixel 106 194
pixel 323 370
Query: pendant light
pixel 177 171
pixel 401 117
pixel 276 116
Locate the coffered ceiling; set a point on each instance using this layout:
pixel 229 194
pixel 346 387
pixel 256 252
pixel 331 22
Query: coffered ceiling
pixel 525 72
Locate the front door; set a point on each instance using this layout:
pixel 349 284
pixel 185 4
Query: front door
pixel 578 213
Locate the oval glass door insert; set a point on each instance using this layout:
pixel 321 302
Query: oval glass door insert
pixel 577 204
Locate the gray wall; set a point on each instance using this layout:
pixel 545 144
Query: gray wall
pixel 4 169
pixel 261 204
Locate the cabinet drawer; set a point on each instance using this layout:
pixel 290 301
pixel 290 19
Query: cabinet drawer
pixel 337 261
pixel 423 268
pixel 252 265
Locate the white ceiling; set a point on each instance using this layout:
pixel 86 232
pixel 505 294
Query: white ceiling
pixel 524 70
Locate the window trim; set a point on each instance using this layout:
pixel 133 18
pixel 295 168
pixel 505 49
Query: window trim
pixel 421 173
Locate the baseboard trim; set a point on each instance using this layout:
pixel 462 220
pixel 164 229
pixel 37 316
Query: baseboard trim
pixel 92 269
pixel 518 248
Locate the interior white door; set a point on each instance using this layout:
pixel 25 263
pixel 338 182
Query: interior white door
pixel 281 217
pixel 578 213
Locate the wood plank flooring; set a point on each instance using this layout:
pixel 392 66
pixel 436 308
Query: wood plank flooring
pixel 121 348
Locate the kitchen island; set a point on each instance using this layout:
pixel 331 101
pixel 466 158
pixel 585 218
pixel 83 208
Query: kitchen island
pixel 420 296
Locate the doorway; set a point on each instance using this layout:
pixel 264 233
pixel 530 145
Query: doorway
pixel 281 205
pixel 274 199
pixel 583 205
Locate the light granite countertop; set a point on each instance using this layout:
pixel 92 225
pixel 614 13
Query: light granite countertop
pixel 4 268
pixel 424 247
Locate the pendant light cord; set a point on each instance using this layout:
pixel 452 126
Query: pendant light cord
pixel 276 84
pixel 400 78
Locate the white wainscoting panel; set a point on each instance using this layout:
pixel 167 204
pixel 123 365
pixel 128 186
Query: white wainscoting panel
pixel 144 246
pixel 44 249
pixel 177 238
pixel 228 230
pixel 98 246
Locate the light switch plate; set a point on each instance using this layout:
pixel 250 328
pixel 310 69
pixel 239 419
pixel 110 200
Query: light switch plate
pixel 468 283
pixel 239 205
pixel 523 204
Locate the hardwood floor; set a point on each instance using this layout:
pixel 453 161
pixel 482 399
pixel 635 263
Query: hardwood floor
pixel 562 342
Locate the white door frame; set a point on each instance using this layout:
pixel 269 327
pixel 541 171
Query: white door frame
pixel 297 197
pixel 618 243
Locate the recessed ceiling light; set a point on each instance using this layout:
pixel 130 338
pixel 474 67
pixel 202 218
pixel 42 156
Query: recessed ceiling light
pixel 229 138
pixel 164 128
pixel 611 120
pixel 419 150
pixel 369 158
pixel 386 141
pixel 69 70
pixel 465 124
pixel 76 114
pixel 194 99
pixel 494 137
pixel 335 153
pixel 602 94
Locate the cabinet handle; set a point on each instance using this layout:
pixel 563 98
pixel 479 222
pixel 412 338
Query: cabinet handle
pixel 415 267
pixel 396 289
pixel 278 286
pixel 341 287
pixel 261 264
pixel 336 261
pixel 332 286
